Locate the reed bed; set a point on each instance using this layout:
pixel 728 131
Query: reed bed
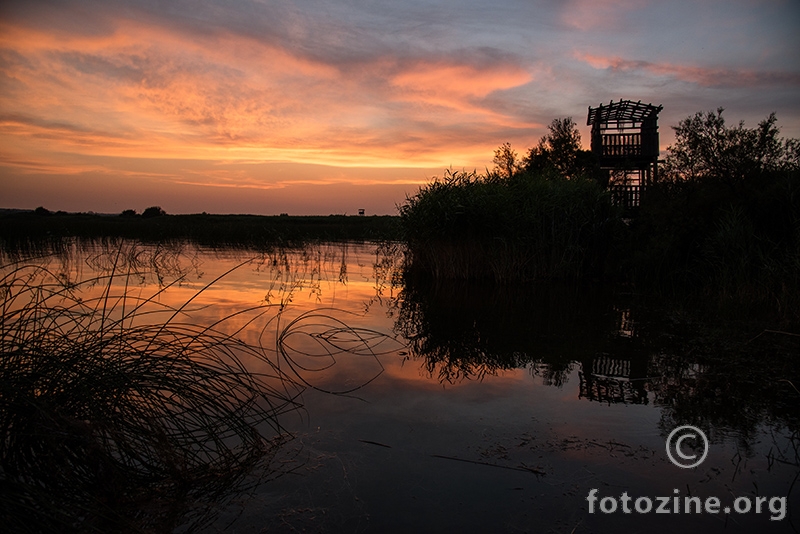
pixel 703 241
pixel 526 227
pixel 118 414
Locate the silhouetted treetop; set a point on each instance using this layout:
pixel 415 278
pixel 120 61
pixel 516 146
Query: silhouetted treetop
pixel 560 151
pixel 706 148
pixel 153 211
pixel 506 161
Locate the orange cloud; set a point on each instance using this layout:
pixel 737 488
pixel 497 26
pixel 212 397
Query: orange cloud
pixel 144 89
pixel 448 84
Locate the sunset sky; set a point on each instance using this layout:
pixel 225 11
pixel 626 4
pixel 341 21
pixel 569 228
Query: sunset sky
pixel 327 106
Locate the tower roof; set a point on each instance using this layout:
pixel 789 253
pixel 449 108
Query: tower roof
pixel 624 111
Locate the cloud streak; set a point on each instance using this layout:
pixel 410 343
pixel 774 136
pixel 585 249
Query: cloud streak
pixel 706 77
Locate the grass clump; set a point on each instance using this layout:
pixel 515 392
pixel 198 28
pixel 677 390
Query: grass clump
pixel 116 414
pixel 531 225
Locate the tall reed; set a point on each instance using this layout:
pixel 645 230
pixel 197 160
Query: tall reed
pixel 528 226
pixel 118 414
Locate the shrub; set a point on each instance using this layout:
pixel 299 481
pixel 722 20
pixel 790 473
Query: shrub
pixel 153 211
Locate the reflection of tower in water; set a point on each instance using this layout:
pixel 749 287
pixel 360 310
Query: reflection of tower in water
pixel 617 377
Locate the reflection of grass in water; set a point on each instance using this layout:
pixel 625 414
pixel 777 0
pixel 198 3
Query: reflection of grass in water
pixel 727 381
pixel 108 424
pixel 470 331
pixel 332 338
pixel 117 413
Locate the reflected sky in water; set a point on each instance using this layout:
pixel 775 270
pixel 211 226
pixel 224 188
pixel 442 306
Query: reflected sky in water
pixel 434 408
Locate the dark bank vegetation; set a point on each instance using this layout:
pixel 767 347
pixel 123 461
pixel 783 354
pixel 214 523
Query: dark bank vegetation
pixel 541 217
pixel 722 222
pixel 724 219
pixel 30 230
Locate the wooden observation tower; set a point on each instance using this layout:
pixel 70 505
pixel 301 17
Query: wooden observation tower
pixel 625 141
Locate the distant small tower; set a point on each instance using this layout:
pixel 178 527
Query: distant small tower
pixel 625 141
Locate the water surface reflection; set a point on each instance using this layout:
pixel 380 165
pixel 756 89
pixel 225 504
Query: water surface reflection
pixel 473 408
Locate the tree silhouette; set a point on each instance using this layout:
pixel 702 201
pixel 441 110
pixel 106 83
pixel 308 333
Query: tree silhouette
pixel 153 211
pixel 506 160
pixel 705 148
pixel 560 151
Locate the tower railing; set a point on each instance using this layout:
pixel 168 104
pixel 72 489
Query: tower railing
pixel 621 145
pixel 628 196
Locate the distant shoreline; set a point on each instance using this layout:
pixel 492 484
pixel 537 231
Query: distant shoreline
pixel 27 228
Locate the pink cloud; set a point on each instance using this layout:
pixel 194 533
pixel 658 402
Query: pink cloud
pixel 705 77
pixel 459 80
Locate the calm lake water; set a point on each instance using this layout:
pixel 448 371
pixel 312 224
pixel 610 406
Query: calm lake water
pixel 463 408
